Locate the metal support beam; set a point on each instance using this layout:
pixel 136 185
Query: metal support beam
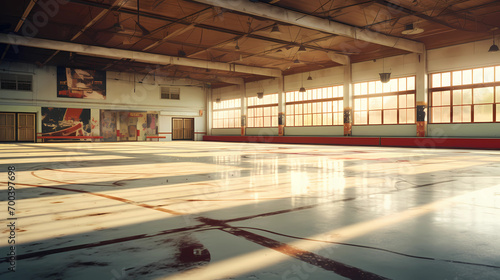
pixel 134 55
pixel 196 18
pixel 27 11
pixel 315 23
pixel 116 5
pixel 338 58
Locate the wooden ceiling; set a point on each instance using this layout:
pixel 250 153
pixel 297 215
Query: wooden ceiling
pixel 211 33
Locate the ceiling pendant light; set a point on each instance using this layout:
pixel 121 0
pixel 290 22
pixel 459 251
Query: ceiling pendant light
pixel 302 48
pixel 260 93
pixel 237 46
pixel 410 29
pixel 296 61
pixel 385 77
pixel 275 29
pixel 494 47
pixel 302 88
pixel 309 78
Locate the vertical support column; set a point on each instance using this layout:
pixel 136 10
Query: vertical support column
pixel 208 94
pixel 243 109
pixel 348 102
pixel 281 106
pixel 422 92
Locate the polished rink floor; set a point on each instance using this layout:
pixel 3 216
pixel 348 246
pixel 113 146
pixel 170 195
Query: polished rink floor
pixel 208 210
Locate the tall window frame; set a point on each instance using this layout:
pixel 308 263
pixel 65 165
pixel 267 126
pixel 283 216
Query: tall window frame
pixel 315 107
pixel 226 113
pixel 391 103
pixel 262 112
pixel 465 96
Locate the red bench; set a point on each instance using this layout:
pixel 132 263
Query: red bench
pixel 69 137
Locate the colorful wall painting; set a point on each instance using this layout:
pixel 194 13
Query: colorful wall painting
pixel 108 126
pixel 65 122
pixel 79 83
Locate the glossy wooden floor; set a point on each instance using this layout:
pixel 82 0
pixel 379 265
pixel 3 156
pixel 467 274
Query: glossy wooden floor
pixel 211 210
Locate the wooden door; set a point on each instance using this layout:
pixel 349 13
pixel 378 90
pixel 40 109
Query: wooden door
pixel 188 129
pixel 177 129
pixel 25 127
pixel 182 129
pixel 7 126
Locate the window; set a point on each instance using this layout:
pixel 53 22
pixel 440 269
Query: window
pixel 263 112
pixel 385 103
pixel 315 107
pixel 170 93
pixel 466 96
pixel 227 114
pixel 16 82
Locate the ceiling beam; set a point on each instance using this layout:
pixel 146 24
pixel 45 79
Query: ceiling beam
pixel 315 23
pixel 399 8
pixel 117 4
pixel 185 22
pixel 27 11
pixel 134 55
pixel 196 18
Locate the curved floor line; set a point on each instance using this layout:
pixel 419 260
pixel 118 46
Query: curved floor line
pixel 108 197
pixel 115 173
pixel 71 183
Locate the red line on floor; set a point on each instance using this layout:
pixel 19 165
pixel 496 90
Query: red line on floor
pixel 104 196
pixel 294 252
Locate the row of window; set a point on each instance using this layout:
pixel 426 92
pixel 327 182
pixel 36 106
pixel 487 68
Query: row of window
pixel 465 96
pixel 462 96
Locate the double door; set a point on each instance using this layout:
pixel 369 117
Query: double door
pixel 17 127
pixel 182 129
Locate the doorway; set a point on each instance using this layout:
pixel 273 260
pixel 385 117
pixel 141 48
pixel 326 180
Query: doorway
pixel 182 129
pixel 17 127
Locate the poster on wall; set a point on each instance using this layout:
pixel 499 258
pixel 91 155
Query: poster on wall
pixel 65 122
pixel 108 126
pixel 79 83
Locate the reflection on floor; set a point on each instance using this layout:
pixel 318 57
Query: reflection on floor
pixel 208 210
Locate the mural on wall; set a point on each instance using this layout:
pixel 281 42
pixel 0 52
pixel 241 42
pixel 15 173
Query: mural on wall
pixel 128 126
pixel 65 122
pixel 79 83
pixel 151 127
pixel 108 126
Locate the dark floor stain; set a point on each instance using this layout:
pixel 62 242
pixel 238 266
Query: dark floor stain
pixel 191 251
pixel 98 214
pixel 55 202
pixel 84 264
pixel 194 253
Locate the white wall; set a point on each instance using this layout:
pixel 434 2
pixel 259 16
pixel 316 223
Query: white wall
pixel 487 130
pixel 462 56
pixel 262 131
pixel 398 66
pixel 122 94
pixel 226 131
pixel 321 78
pixel 385 130
pixel 337 130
